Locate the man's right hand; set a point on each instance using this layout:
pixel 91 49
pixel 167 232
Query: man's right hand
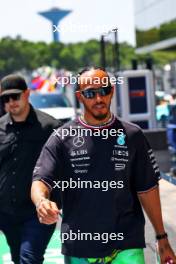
pixel 47 211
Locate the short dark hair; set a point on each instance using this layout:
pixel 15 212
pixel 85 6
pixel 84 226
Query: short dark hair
pixel 86 69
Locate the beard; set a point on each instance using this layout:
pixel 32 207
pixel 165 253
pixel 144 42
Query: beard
pixel 100 117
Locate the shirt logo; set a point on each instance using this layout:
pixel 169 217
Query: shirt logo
pixel 78 152
pixel 121 139
pixel 78 142
pixel 119 166
pixel 124 153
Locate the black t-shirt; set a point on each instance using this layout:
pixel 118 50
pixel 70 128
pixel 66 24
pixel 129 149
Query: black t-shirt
pixel 110 165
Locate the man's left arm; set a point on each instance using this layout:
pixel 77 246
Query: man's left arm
pixel 150 201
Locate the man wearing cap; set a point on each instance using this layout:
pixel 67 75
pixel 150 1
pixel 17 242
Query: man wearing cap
pixel 23 132
pixel 107 172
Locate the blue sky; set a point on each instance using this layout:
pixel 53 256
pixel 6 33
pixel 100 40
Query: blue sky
pixel 89 19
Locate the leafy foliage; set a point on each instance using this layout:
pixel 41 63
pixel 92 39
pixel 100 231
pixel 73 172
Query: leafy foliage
pixel 18 54
pixel 164 31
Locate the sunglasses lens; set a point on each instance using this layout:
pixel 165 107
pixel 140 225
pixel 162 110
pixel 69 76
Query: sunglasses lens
pixel 15 96
pixel 105 90
pixel 6 98
pixel 90 93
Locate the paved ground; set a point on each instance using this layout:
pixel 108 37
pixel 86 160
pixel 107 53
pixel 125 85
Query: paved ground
pixel 168 200
pixel 168 197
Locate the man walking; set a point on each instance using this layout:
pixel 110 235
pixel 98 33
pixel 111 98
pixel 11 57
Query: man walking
pixel 105 170
pixel 23 132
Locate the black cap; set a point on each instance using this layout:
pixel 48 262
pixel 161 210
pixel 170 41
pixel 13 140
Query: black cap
pixel 12 83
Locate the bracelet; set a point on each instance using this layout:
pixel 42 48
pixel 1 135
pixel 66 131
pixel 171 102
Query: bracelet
pixel 39 202
pixel 161 236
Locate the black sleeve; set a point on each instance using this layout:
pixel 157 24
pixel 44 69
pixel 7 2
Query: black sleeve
pixel 146 172
pixel 49 166
pixel 2 111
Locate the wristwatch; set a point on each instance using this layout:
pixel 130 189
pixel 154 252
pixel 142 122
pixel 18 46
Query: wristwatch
pixel 161 236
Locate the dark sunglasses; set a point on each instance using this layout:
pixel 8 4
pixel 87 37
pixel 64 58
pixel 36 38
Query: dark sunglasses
pixel 15 97
pixel 91 92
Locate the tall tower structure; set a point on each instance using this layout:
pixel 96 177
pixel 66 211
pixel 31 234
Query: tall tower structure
pixel 54 15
